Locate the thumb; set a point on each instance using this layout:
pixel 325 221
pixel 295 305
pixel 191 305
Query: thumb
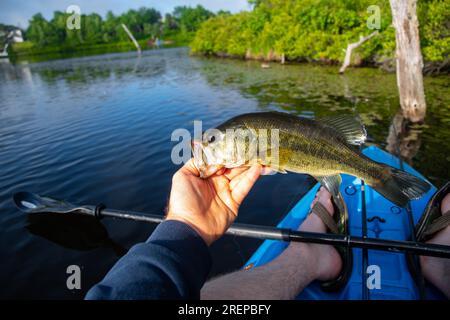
pixel 245 182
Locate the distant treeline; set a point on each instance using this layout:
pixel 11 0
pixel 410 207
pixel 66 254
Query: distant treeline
pixel 319 30
pixel 144 23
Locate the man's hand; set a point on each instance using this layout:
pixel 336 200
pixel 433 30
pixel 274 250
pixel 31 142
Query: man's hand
pixel 209 205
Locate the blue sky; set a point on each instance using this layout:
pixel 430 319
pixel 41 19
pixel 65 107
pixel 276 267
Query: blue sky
pixel 18 12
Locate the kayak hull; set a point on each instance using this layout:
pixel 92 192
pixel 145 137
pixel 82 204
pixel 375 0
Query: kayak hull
pixel 387 221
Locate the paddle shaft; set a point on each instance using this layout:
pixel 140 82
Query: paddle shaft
pixel 272 233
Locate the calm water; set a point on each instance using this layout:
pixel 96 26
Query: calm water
pixel 97 129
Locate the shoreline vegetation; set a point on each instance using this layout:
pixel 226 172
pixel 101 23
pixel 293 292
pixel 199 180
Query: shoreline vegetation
pixel 312 31
pixel 26 49
pixel 95 34
pixel 319 31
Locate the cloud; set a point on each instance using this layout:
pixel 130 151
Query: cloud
pixel 18 12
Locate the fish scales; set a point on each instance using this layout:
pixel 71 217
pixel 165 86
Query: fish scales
pixel 321 148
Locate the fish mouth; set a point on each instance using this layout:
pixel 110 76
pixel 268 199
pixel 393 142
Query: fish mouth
pixel 200 158
pixel 197 153
pixel 203 159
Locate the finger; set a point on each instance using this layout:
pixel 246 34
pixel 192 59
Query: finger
pixel 220 172
pixel 238 178
pixel 212 170
pixel 234 172
pixel 246 181
pixel 266 171
pixel 190 168
pixel 221 185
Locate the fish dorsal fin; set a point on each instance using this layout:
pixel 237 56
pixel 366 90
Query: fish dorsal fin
pixel 350 127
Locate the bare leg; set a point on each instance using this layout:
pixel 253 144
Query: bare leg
pixel 437 270
pixel 286 276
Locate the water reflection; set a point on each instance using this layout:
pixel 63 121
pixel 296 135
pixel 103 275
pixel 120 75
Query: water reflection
pixel 404 138
pixel 73 231
pixel 84 70
pixel 97 129
pixel 9 72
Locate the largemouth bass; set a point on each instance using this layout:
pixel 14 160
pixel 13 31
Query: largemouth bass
pixel 322 148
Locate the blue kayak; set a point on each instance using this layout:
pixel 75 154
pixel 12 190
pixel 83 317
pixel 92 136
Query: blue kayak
pixel 384 221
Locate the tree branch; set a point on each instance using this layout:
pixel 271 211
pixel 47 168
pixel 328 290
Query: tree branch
pixel 351 47
pixel 132 38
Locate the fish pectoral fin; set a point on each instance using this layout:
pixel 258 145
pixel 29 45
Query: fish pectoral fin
pixel 266 171
pixel 349 126
pixel 332 184
pixel 279 170
pixel 270 170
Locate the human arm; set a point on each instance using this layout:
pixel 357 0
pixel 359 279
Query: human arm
pixel 175 261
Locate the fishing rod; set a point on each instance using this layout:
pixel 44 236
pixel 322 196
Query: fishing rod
pixel 31 203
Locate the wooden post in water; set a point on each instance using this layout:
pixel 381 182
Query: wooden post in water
pixel 409 59
pixel 132 38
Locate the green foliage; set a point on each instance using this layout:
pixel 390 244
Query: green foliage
pixel 27 48
pixel 318 30
pixel 215 34
pixel 144 24
pixel 191 18
pixel 434 17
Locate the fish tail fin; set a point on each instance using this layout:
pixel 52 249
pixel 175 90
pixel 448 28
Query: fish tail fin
pixel 399 186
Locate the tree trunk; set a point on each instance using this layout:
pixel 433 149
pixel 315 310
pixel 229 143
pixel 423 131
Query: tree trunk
pixel 409 59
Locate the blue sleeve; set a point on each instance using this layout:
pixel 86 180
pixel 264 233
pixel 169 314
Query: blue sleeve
pixel 172 264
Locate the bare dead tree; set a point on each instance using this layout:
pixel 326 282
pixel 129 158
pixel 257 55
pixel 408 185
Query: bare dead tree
pixel 408 59
pixel 353 46
pixel 130 35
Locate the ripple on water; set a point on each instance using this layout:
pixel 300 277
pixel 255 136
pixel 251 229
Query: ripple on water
pixel 97 129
